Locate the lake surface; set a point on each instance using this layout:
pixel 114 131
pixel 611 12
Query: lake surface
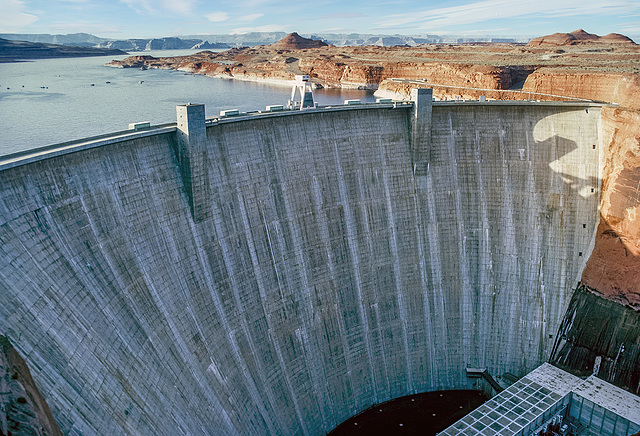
pixel 48 101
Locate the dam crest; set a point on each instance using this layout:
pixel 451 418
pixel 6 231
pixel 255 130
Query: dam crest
pixel 277 273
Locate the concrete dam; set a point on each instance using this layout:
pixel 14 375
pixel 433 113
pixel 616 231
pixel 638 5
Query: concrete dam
pixel 279 273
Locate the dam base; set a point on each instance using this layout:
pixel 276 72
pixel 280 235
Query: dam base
pixel 424 414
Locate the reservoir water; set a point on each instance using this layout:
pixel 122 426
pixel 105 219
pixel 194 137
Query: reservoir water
pixel 48 101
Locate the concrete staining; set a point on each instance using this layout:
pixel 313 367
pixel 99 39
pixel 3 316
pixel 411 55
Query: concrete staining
pixel 336 260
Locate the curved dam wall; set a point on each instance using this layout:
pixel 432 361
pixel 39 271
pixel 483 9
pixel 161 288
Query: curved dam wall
pixel 308 266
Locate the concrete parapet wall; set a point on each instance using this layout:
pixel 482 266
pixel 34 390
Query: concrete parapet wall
pixel 322 276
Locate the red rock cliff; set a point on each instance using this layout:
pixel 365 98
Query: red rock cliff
pixel 621 88
pixel 614 266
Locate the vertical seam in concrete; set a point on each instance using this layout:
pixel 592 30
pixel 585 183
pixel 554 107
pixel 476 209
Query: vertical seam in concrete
pixel 324 233
pixel 396 272
pixel 353 248
pixel 534 242
pixel 374 306
pixel 484 255
pixel 507 242
pixel 436 271
pixel 308 346
pixel 245 327
pixel 250 384
pixel 424 283
pixel 259 281
pixel 466 293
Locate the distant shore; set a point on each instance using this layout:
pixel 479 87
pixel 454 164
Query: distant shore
pixel 20 51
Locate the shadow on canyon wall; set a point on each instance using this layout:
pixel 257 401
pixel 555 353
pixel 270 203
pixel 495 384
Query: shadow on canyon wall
pixel 600 333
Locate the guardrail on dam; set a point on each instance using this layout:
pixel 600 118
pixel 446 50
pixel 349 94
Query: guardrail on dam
pixel 278 274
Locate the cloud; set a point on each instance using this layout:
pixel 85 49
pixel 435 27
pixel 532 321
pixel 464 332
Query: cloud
pixel 140 6
pixel 85 27
pixel 250 17
pixel 14 16
pixel 217 17
pixel 180 7
pixel 335 30
pixel 485 10
pixel 343 15
pixel 267 28
pixel 630 27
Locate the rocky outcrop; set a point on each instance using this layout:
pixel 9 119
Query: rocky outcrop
pixel 614 38
pixel 600 337
pixel 578 37
pixel 484 66
pixel 620 88
pixel 23 410
pixel 329 69
pixel 338 73
pixel 293 41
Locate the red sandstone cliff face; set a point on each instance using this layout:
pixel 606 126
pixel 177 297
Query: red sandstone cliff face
pixel 613 269
pixel 614 266
pixel 621 88
pixel 338 73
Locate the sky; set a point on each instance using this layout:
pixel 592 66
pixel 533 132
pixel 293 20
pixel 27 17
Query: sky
pixel 120 19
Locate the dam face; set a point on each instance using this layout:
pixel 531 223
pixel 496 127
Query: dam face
pixel 287 272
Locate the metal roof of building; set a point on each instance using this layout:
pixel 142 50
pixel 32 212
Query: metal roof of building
pixel 610 397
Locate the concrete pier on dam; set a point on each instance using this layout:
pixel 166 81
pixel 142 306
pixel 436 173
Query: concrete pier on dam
pixel 279 273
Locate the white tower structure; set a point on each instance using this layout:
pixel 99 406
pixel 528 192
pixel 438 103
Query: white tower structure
pixel 302 85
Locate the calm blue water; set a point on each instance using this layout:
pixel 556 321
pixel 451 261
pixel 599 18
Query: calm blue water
pixel 77 102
